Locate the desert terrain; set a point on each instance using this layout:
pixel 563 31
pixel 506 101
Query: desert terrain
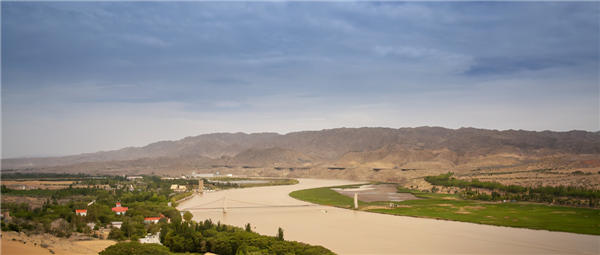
pixel 403 155
pixel 20 244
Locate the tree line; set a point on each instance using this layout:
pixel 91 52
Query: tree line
pixel 566 195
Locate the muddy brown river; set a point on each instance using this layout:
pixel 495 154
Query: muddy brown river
pixel 354 232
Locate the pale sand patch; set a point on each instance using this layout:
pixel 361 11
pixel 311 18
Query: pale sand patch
pixel 445 205
pixel 462 210
pixel 24 244
pixel 450 198
pixel 14 247
pixel 475 207
pixel 379 192
pixel 370 207
pixel 564 212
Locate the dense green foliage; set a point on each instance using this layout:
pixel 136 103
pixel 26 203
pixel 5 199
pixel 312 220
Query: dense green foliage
pixel 518 214
pixel 54 194
pixel 145 198
pixel 180 196
pixel 135 248
pixel 454 207
pixel 228 240
pixel 566 195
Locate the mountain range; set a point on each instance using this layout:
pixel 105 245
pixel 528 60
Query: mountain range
pixel 369 149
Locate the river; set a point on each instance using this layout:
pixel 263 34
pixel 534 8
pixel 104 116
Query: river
pixel 355 232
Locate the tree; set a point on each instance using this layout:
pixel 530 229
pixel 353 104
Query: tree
pixel 187 216
pixel 280 234
pixel 135 248
pixel 116 234
pixel 248 228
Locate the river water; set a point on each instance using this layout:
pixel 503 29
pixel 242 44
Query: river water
pixel 354 232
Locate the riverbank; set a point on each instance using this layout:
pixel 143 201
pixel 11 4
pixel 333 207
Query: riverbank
pixel 452 207
pixel 357 232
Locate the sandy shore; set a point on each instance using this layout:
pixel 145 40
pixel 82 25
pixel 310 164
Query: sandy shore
pixel 21 244
pixel 355 232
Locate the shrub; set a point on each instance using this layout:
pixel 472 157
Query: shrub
pixel 135 248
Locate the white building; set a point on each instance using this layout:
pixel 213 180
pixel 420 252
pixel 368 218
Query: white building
pixel 116 224
pixel 151 238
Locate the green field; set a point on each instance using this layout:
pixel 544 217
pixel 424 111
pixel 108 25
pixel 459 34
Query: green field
pixel 452 207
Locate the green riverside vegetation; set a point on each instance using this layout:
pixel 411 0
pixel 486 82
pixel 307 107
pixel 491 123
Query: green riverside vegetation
pixel 147 196
pixel 454 207
pixel 564 195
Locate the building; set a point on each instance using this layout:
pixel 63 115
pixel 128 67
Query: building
pixel 151 219
pixel 116 224
pixel 82 212
pixel 151 238
pixel 135 177
pixel 178 188
pixel 155 219
pixel 119 210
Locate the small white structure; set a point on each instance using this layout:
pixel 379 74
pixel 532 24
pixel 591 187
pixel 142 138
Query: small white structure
pixel 355 200
pixel 91 225
pixel 134 177
pixel 116 224
pixel 151 238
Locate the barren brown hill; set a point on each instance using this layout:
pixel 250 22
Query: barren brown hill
pixel 370 149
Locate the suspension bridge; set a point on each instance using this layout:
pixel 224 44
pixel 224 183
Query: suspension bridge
pixel 223 203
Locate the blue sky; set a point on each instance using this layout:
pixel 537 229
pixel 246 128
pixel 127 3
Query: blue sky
pixel 82 77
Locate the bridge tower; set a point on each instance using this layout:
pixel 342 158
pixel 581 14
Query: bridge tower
pixel 200 185
pixel 355 200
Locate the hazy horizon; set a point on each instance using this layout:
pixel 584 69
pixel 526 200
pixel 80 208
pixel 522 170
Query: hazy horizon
pixel 259 132
pixel 83 77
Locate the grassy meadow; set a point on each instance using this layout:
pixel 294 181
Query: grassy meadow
pixel 452 207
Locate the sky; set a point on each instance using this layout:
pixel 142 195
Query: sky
pixel 83 77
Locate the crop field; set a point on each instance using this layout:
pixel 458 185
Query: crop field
pixel 37 184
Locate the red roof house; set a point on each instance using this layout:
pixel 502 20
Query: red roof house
pixel 119 210
pixel 155 219
pixel 81 212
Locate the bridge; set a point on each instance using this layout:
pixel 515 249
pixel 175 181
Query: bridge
pixel 222 204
